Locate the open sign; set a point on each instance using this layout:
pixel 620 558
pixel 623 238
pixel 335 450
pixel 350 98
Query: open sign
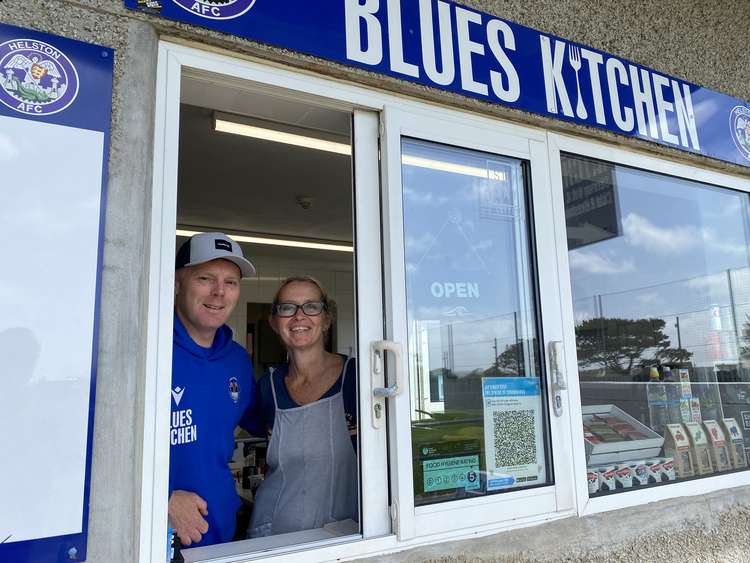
pixel 462 290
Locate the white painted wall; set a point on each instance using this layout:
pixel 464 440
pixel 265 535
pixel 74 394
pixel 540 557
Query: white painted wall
pixel 335 274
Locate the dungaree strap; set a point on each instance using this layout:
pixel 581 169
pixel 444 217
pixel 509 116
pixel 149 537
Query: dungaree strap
pixel 343 378
pixel 273 390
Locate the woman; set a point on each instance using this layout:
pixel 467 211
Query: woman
pixel 309 408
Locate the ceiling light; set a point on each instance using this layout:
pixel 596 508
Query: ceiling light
pixel 421 162
pixel 277 242
pixel 225 126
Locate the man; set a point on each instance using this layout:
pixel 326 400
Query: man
pixel 212 388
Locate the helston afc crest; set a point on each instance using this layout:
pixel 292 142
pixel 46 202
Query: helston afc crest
pixel 216 9
pixel 739 127
pixel 36 78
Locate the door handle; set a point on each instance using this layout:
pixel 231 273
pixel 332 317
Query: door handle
pixel 558 376
pixel 378 350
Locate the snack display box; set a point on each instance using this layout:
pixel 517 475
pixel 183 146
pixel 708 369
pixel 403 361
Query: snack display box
pixel 621 450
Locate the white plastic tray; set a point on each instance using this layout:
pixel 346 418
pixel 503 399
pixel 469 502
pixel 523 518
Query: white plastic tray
pixel 626 450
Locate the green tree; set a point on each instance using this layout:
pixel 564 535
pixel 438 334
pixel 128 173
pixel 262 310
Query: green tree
pixel 745 339
pixel 512 361
pixel 620 346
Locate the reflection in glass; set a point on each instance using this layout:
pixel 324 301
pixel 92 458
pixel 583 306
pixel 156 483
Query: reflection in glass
pixel 477 413
pixel 660 277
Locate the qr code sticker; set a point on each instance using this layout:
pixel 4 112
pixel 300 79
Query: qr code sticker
pixel 515 441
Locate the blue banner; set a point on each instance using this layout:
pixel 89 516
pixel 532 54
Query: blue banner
pixel 55 111
pixel 442 44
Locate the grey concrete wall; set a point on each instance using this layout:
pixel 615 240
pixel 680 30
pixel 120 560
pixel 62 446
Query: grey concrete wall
pixel 712 528
pixel 701 41
pixel 115 466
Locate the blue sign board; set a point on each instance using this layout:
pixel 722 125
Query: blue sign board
pixel 493 387
pixel 445 45
pixel 55 110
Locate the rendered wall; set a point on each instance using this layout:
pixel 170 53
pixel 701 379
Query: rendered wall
pixel 702 42
pixel 712 528
pixel 115 465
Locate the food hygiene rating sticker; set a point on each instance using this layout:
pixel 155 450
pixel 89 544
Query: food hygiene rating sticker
pixel 451 473
pixel 739 126
pixel 216 9
pixel 36 78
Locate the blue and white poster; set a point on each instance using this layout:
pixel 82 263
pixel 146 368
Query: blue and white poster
pixel 513 437
pixel 55 109
pixel 441 44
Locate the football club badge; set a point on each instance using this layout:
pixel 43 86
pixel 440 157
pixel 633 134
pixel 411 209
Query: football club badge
pixel 216 9
pixel 36 78
pixel 739 127
pixel 234 389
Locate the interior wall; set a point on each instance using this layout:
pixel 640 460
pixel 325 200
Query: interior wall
pixel 335 275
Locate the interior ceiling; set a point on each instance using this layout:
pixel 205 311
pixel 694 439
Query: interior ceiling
pixel 239 184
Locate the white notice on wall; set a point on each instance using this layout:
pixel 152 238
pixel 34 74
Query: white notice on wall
pixel 49 225
pixel 514 446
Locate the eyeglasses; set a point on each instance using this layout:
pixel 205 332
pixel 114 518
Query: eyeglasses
pixel 311 309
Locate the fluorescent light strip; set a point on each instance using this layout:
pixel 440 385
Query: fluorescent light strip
pixel 281 137
pixel 277 242
pixel 422 162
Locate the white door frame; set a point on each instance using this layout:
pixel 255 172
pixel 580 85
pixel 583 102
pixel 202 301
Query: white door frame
pixel 507 140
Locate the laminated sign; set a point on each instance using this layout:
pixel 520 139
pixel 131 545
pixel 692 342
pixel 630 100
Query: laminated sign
pixel 55 107
pixel 513 443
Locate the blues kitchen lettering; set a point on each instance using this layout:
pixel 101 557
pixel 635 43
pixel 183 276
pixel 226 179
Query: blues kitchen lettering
pixel 652 94
pixel 481 55
pixel 182 430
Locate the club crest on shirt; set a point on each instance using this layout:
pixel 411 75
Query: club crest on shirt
pixel 36 78
pixel 739 127
pixel 216 9
pixel 234 389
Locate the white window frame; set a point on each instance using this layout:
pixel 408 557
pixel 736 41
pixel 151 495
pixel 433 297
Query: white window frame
pixel 175 57
pixel 661 165
pixel 175 62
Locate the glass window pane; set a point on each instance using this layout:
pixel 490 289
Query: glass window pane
pixel 478 418
pixel 661 298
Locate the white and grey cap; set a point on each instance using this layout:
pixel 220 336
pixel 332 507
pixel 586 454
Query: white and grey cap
pixel 205 247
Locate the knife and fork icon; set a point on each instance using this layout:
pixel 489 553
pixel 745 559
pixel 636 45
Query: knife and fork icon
pixel 574 56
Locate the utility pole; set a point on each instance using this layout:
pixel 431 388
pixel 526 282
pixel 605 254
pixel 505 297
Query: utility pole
pixel 732 312
pixel 518 343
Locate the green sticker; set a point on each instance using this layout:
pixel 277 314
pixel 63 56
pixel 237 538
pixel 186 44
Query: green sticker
pixel 451 473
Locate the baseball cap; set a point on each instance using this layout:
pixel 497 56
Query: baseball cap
pixel 205 247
